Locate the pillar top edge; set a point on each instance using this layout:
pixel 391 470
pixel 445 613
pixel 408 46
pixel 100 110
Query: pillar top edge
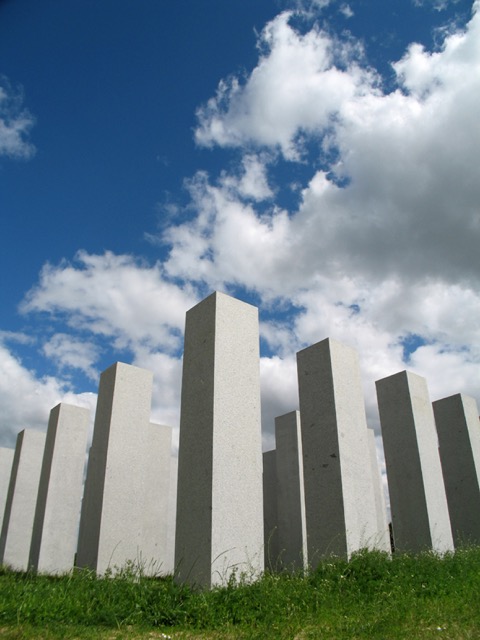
pixel 405 373
pixel 215 296
pixel 457 396
pixel 69 405
pixel 123 365
pixel 327 342
pixel 294 412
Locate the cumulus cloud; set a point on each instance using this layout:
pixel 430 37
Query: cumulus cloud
pixel 116 296
pixel 15 123
pixel 278 379
pixel 379 250
pixel 127 304
pixel 227 242
pixel 167 375
pixel 252 182
pixel 70 352
pixel 399 193
pixel 26 399
pixel 298 86
pixel 382 245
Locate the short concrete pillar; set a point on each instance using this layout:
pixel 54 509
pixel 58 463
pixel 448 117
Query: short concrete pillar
pixel 418 502
pixel 57 513
pixel 219 501
pixel 270 517
pixel 112 523
pixel 458 431
pixel 6 461
pixel 17 524
pixel 380 507
pixel 172 514
pixel 292 532
pixel 339 498
pixel 157 488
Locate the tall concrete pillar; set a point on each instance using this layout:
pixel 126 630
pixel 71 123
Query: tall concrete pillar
pixel 458 431
pixel 418 502
pixel 22 493
pixel 339 497
pixel 270 516
pixel 57 513
pixel 380 507
pixel 219 501
pixel 292 532
pixel 112 516
pixel 6 461
pixel 157 489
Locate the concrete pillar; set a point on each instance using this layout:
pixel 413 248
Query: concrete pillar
pixel 458 431
pixel 339 498
pixel 380 507
pixel 57 513
pixel 418 503
pixel 6 461
pixel 157 487
pixel 112 516
pixel 292 532
pixel 219 501
pixel 17 525
pixel 172 514
pixel 270 516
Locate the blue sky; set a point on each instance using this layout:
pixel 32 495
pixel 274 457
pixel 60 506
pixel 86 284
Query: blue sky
pixel 319 159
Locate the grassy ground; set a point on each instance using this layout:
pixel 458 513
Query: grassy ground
pixel 371 597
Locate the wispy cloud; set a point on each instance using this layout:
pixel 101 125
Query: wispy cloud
pixel 15 123
pixel 71 352
pixel 116 296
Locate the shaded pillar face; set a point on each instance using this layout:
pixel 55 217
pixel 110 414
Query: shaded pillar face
pixel 418 503
pixel 219 503
pixel 57 513
pixel 17 525
pixel 292 534
pixel 270 517
pixel 458 429
pixel 6 462
pixel 111 524
pixel 339 500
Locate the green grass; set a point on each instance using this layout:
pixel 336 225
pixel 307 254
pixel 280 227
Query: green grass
pixel 371 597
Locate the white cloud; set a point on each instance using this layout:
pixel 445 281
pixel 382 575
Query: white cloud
pixel 382 246
pixel 448 370
pixel 26 400
pixel 127 303
pixel 252 183
pixel 409 159
pixel 437 5
pixel 69 352
pixel 15 124
pixel 347 11
pixel 296 87
pixel 167 375
pixel 278 379
pixel 227 242
pixel 17 337
pixel 115 296
pixel 384 242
